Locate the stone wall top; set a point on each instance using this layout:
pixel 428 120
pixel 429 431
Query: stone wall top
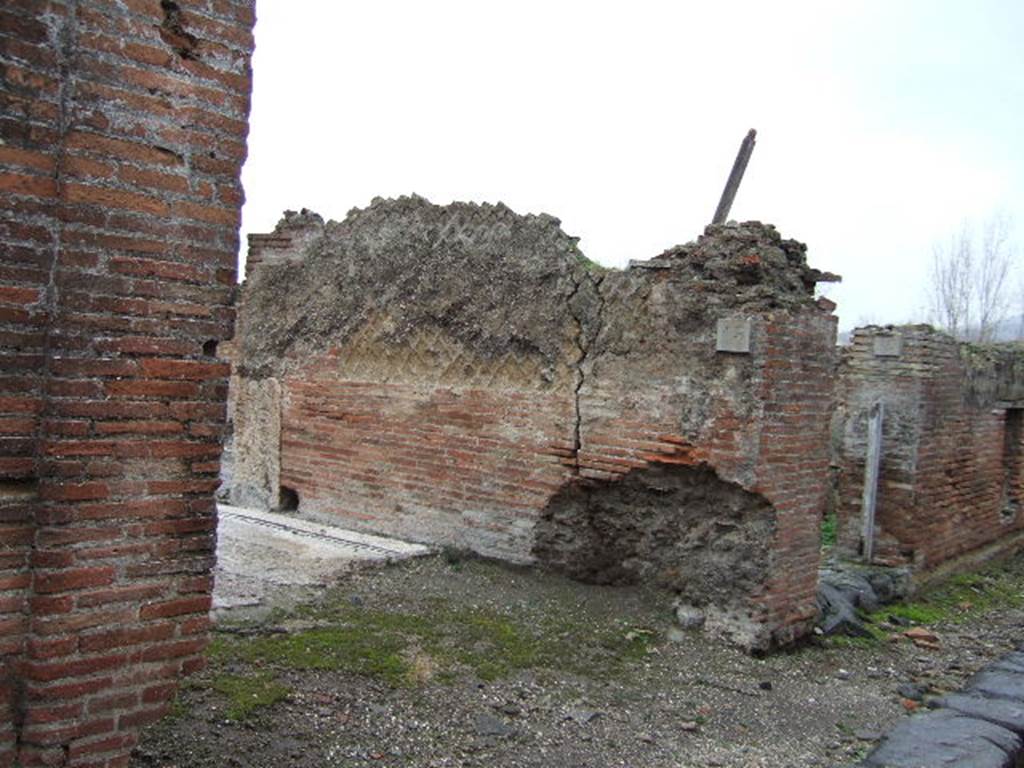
pixel 498 282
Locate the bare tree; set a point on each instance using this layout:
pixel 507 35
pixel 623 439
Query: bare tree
pixel 970 281
pixel 952 265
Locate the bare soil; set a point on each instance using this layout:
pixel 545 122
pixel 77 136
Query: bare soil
pixel 449 662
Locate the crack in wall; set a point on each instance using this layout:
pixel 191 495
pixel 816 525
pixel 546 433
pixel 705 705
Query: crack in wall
pixel 584 349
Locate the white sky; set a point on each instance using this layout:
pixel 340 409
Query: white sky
pixel 882 126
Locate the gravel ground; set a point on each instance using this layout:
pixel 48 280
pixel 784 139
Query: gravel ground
pixel 442 662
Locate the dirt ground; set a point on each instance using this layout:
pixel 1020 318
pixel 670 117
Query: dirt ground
pixel 450 662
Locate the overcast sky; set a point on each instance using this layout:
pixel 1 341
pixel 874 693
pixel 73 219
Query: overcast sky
pixel 882 126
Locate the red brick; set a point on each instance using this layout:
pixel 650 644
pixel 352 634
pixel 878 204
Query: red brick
pixel 160 368
pixel 47 558
pixel 154 180
pixel 44 648
pixel 143 345
pixel 17 295
pixel 53 713
pixel 15 581
pixel 26 158
pixel 9 405
pixel 71 366
pixel 21 184
pixel 174 650
pixel 79 620
pixel 120 638
pixel 131 594
pixel 77 578
pixel 50 605
pixel 196 625
pixel 191 666
pixel 106 146
pixel 84 167
pixel 120 743
pixel 178 607
pixel 138 427
pixel 74 491
pixel 182 449
pixel 158 694
pixel 52 734
pixel 152 388
pixel 58 670
pixel 143 717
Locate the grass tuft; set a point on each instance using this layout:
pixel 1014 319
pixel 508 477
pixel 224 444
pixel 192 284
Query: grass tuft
pixel 439 642
pixel 959 599
pixel 248 693
pixel 828 530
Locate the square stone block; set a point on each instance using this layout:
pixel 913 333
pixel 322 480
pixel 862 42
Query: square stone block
pixel 733 335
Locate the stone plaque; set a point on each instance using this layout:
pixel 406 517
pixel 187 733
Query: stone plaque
pixel 733 335
pixel 888 346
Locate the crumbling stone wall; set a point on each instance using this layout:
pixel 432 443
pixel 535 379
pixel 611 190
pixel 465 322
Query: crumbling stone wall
pixel 950 480
pixel 462 375
pixel 121 139
pixel 427 366
pixel 719 535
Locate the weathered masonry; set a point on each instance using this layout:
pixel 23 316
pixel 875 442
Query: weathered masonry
pixel 951 473
pixel 122 133
pixel 453 374
pixel 462 375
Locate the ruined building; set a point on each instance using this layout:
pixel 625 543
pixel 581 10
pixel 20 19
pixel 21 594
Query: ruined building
pixel 951 481
pixel 462 375
pixel 458 375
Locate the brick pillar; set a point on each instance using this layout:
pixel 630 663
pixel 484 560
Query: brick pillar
pixel 123 133
pixel 798 391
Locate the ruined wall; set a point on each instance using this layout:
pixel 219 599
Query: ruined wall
pixel 462 375
pixel 661 390
pixel 121 139
pixel 427 361
pixel 951 472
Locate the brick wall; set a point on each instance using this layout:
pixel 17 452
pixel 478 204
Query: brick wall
pixel 950 473
pixel 123 132
pixel 759 420
pixel 792 468
pixel 421 437
pixel 370 384
pixel 463 466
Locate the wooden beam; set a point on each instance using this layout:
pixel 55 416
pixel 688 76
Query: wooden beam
pixel 735 177
pixel 872 463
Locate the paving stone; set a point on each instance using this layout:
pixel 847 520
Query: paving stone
pixel 1012 662
pixel 266 559
pixel 944 738
pixel 997 683
pixel 1008 714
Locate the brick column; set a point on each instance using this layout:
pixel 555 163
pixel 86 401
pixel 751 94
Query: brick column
pixel 123 134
